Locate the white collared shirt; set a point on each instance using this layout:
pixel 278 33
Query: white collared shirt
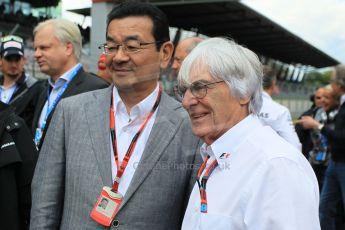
pixel 127 125
pixel 262 182
pixel 7 93
pixel 56 86
pixel 279 118
pixel 342 99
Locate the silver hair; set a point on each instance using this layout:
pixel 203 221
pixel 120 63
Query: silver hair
pixel 65 31
pixel 339 77
pixel 225 60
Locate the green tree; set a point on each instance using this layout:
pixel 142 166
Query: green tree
pixel 317 79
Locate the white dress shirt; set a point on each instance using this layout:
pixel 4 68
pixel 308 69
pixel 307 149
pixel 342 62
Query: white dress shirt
pixel 261 183
pixel 279 118
pixel 56 86
pixel 7 93
pixel 342 99
pixel 127 125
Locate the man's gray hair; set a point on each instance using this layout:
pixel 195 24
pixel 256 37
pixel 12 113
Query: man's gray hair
pixel 340 75
pixel 225 60
pixel 65 31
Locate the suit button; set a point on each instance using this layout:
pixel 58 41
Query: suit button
pixel 116 223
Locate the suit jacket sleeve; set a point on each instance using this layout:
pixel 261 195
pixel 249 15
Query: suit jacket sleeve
pixel 336 135
pixel 49 178
pixel 194 171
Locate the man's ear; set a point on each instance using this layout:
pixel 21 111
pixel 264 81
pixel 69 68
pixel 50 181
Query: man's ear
pixel 244 101
pixel 166 51
pixel 69 48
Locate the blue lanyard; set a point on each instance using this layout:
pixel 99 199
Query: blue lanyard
pixel 50 108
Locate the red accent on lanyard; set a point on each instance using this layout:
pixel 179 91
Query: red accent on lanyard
pixel 202 184
pixel 127 157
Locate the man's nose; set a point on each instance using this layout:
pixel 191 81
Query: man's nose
pixel 189 99
pixel 120 55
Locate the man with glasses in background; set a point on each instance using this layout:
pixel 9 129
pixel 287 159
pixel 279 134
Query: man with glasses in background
pixel 130 144
pixel 17 88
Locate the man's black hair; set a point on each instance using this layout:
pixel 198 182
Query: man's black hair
pixel 160 30
pixel 269 77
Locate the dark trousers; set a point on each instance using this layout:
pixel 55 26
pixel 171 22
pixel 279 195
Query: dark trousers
pixel 332 200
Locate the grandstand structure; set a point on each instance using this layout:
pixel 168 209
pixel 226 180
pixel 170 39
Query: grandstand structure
pixel 287 53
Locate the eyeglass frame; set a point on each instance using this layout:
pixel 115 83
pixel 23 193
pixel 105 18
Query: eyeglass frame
pixel 125 47
pixel 182 90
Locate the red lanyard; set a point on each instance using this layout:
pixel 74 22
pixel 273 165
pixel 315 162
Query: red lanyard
pixel 202 184
pixel 121 169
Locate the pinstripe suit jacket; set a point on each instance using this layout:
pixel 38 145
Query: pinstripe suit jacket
pixel 74 164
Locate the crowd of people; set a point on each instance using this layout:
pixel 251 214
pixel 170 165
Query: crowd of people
pixel 114 150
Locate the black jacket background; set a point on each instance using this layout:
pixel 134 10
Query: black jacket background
pixel 18 156
pixel 336 137
pixel 25 98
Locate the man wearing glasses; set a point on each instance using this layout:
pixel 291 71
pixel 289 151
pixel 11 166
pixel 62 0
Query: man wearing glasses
pixel 251 178
pixel 17 88
pixel 130 144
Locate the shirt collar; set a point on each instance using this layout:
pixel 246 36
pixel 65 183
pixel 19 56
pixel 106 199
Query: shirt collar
pixel 229 142
pixel 266 95
pixel 63 78
pixel 139 110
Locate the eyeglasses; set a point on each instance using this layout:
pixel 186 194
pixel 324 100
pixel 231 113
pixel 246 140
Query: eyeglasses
pixel 11 38
pixel 197 88
pixel 130 46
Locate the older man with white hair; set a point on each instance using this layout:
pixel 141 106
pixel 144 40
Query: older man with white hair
pixel 251 178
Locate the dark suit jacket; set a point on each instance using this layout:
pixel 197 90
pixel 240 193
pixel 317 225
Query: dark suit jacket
pixel 304 134
pixel 336 137
pixel 18 157
pixel 82 82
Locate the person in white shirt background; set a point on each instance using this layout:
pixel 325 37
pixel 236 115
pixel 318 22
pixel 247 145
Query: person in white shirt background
pixel 251 178
pixel 274 114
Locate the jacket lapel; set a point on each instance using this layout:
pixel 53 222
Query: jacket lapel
pixel 40 104
pixel 73 85
pixel 71 90
pixel 165 126
pixel 97 116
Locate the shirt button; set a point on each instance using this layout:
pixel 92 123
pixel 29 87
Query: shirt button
pixel 116 223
